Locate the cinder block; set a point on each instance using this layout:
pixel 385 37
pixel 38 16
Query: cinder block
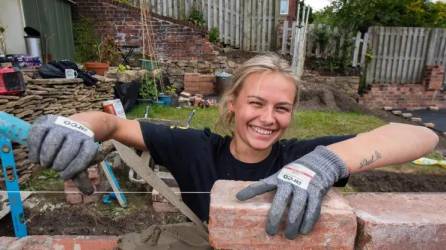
pixel 400 220
pixel 407 115
pixel 241 225
pixel 416 119
pixel 397 112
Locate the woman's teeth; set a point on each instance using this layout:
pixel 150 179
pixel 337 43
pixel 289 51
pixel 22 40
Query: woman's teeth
pixel 262 131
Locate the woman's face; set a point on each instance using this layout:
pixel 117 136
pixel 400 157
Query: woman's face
pixel 263 110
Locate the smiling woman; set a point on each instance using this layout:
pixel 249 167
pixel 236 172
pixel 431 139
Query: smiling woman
pixel 256 110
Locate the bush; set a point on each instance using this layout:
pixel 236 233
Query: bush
pixel 196 17
pixel 85 40
pixel 214 33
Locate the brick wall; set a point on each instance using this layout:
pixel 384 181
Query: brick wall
pixel 402 96
pixel 428 93
pixel 173 39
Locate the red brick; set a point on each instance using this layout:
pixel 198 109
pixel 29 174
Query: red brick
pixel 241 225
pixel 400 220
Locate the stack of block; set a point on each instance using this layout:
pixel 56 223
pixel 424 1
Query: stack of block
pixel 196 83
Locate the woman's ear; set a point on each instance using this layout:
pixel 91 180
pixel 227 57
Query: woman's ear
pixel 230 105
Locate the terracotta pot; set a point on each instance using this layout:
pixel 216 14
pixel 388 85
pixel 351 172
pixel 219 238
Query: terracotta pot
pixel 98 67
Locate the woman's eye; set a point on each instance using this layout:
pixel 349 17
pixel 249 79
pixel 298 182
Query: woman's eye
pixel 283 109
pixel 256 104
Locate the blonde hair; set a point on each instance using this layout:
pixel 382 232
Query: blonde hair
pixel 262 63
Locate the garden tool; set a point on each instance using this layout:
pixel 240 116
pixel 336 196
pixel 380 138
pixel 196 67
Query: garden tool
pixel 430 162
pixel 13 129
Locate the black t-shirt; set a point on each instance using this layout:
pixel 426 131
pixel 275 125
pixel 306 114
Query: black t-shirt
pixel 198 158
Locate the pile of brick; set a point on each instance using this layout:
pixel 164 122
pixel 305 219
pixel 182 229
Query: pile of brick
pixel 52 96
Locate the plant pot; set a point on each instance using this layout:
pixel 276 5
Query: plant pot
pixel 98 67
pixel 165 100
pixel 147 64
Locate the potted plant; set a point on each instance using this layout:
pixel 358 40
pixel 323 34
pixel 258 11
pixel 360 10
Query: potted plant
pixel 167 96
pixel 107 52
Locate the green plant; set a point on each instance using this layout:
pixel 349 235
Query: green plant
pixel 214 33
pixel 196 17
pixel 85 40
pixel 107 50
pixel 148 88
pixel 122 68
pixel 170 90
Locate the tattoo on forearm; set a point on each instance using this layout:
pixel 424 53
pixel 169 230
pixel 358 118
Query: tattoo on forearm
pixel 366 162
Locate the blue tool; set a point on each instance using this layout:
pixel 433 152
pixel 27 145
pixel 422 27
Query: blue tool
pixel 13 129
pixel 118 194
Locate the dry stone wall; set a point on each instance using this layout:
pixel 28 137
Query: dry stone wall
pixel 52 96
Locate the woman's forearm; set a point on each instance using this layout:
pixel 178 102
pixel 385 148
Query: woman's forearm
pixel 390 144
pixel 102 124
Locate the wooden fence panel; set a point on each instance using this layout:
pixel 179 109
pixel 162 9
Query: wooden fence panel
pixel 400 54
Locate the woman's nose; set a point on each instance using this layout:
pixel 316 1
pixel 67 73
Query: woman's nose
pixel 267 116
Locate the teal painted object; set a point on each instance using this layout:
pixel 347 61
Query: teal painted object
pixel 164 100
pixel 12 187
pixel 13 129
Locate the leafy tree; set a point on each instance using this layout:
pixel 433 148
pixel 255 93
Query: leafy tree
pixel 361 14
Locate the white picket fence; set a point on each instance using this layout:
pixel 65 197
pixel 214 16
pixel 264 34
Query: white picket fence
pixel 294 39
pixel 246 24
pixel 400 54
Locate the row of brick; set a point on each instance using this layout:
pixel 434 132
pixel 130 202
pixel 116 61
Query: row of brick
pixel 353 221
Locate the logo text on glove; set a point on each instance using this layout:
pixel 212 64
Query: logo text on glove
pixel 65 122
pixel 296 174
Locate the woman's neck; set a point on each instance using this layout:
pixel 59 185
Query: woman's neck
pixel 246 154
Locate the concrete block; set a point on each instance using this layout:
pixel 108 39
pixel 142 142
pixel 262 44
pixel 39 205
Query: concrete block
pixel 407 115
pixel 241 225
pixel 387 108
pixel 397 112
pixel 416 119
pixel 436 108
pixel 400 220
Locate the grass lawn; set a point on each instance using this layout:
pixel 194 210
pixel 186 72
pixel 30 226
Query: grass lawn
pixel 306 124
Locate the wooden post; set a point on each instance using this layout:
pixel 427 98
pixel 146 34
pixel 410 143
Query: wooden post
pixel 284 37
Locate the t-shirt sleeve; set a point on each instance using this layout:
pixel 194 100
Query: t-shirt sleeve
pixel 304 147
pixel 170 147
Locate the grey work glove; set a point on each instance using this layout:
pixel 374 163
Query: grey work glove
pixel 64 144
pixel 305 182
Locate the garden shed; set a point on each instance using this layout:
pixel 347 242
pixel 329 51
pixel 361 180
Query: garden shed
pixel 52 18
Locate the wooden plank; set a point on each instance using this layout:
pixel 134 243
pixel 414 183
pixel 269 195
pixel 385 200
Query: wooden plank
pixel 293 37
pixel 356 49
pixel 187 8
pixel 164 8
pixel 270 24
pixel 169 8
pixel 247 24
pixel 418 48
pixel 365 43
pixel 432 47
pixel 233 23
pixel 264 24
pixel 401 44
pixel 284 37
pixel 371 67
pixel 237 23
pixel 215 14
pixel 209 14
pixel 423 56
pixel 159 11
pixel 380 67
pixel 254 26
pixel 442 51
pixel 407 54
pixel 227 21
pixel 220 21
pixel 391 54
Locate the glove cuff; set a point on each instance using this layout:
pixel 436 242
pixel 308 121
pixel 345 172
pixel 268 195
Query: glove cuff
pixel 324 160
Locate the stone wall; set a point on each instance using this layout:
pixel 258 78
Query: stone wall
pixel 175 69
pixel 52 96
pixel 174 40
pixel 346 84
